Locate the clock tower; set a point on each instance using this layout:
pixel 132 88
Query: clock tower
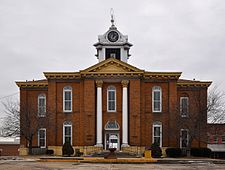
pixel 113 44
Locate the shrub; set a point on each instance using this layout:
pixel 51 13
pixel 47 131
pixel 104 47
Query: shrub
pixel 201 152
pixel 78 153
pixel 67 149
pixel 156 150
pixel 173 152
pixel 49 152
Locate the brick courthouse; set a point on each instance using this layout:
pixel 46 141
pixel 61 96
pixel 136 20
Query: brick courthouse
pixel 112 104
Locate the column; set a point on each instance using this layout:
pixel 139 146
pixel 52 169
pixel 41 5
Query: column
pixel 99 113
pixel 125 115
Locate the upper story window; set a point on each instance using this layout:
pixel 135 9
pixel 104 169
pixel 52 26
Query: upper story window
pixel 157 133
pixel 184 106
pixel 184 138
pixel 42 138
pixel 42 105
pixel 156 99
pixel 215 139
pixel 111 99
pixel 67 132
pixel 223 139
pixel 67 99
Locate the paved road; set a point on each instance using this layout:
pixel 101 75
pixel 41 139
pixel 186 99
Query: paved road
pixel 32 165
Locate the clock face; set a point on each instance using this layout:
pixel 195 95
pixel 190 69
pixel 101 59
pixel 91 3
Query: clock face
pixel 113 36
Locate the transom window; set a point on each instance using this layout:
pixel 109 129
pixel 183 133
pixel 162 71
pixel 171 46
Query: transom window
pixel 156 99
pixel 67 132
pixel 184 106
pixel 184 138
pixel 157 133
pixel 42 105
pixel 42 138
pixel 111 99
pixel 67 99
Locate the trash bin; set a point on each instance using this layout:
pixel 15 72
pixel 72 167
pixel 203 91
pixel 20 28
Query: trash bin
pixel 148 154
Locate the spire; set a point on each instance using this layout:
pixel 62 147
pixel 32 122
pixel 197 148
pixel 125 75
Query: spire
pixel 112 17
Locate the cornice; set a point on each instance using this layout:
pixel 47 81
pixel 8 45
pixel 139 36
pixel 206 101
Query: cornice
pixel 194 84
pixel 162 75
pixel 62 75
pixel 33 84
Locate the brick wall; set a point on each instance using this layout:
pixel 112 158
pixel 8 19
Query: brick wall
pixel 9 149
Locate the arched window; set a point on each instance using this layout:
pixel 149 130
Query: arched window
pixel 67 99
pixel 157 133
pixel 42 105
pixel 67 132
pixel 111 99
pixel 184 106
pixel 156 99
pixel 112 125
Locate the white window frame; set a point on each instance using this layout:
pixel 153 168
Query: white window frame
pixel 156 89
pixel 41 96
pixel 40 138
pixel 223 137
pixel 181 137
pixel 67 89
pixel 181 105
pixel 108 90
pixel 157 124
pixel 67 124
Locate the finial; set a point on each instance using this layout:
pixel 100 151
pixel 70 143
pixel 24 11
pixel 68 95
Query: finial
pixel 112 16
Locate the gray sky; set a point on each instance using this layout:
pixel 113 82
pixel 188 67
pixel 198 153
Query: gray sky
pixel 58 35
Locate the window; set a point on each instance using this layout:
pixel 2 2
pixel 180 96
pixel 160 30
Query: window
pixel 111 99
pixel 157 133
pixel 184 106
pixel 67 132
pixel 223 139
pixel 42 105
pixel 156 99
pixel 42 138
pixel 215 139
pixel 67 99
pixel 184 138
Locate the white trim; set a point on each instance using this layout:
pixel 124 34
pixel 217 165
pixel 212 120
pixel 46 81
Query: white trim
pixel 67 125
pixel 39 137
pixel 108 98
pixel 181 130
pixel 156 89
pixel 157 124
pixel 71 91
pixel 181 101
pixel 42 96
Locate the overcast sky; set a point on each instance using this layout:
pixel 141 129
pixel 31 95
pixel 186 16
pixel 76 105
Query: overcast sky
pixel 58 35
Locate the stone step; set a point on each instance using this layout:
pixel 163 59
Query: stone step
pixel 119 154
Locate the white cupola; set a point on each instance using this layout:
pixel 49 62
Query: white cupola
pixel 113 44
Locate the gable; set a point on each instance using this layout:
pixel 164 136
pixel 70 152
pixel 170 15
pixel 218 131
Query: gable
pixel 112 66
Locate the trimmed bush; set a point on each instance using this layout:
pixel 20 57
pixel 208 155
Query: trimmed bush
pixel 201 152
pixel 49 152
pixel 173 152
pixel 156 150
pixel 67 149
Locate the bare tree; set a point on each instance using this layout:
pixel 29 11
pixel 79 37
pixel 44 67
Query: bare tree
pixel 24 122
pixel 11 120
pixel 216 106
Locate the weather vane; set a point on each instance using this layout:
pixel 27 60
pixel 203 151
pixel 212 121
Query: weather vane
pixel 112 16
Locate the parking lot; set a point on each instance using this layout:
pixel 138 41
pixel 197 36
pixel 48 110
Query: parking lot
pixel 34 165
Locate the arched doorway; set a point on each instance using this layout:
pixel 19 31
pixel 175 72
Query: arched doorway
pixel 112 139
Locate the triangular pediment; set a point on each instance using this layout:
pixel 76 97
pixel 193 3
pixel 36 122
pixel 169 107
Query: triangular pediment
pixel 111 66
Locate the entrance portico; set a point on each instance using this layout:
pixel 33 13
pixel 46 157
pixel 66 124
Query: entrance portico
pixel 111 133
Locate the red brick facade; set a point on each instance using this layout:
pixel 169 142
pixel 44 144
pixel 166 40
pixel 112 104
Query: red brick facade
pixel 140 115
